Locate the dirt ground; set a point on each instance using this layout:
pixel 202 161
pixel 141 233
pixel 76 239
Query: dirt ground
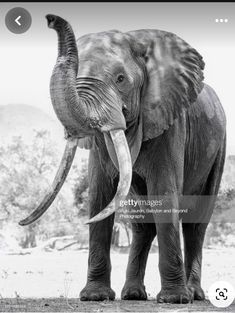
pixel 50 282
pixel 74 305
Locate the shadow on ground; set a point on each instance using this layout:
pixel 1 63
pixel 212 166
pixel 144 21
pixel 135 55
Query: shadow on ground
pixel 74 305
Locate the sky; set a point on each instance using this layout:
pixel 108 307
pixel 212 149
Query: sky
pixel 27 60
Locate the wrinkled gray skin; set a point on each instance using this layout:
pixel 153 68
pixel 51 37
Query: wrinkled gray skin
pixel 148 83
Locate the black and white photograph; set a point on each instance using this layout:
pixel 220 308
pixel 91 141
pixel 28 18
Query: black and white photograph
pixel 117 157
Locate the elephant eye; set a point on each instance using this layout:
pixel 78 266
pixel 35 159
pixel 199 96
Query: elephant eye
pixel 120 78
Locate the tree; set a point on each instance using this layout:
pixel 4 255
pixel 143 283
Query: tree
pixel 81 189
pixel 222 230
pixel 27 170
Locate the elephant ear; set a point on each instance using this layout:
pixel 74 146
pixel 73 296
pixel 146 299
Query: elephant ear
pixel 174 79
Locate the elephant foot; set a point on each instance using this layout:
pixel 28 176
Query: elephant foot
pixel 96 292
pixel 197 292
pixel 133 291
pixel 176 295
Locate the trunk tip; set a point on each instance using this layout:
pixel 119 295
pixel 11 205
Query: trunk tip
pixel 50 20
pixel 54 21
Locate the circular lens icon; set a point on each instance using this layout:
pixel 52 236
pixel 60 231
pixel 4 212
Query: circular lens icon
pixel 18 20
pixel 221 294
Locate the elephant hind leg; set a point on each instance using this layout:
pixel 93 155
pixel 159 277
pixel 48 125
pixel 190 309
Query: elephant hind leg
pixel 193 242
pixel 143 235
pixel 194 233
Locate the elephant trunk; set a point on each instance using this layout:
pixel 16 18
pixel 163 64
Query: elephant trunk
pixel 78 120
pixel 69 107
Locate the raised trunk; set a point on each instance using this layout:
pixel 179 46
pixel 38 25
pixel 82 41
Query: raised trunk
pixel 79 116
pixel 69 108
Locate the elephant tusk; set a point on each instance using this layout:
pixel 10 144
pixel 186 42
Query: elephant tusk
pixel 125 175
pixel 60 177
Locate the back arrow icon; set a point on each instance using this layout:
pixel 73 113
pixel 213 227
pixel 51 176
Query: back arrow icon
pixel 17 20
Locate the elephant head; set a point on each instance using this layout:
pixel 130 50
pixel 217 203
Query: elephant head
pixel 126 87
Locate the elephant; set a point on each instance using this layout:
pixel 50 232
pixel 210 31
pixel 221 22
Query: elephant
pixel 138 101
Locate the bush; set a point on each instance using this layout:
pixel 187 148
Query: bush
pixel 27 170
pixel 222 231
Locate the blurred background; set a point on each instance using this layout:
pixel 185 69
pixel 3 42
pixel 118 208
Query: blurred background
pixel 53 251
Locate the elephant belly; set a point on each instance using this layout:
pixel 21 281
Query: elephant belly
pixel 205 136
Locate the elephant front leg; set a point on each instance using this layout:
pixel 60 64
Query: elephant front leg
pixel 143 235
pixel 101 192
pixel 173 278
pixel 98 286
